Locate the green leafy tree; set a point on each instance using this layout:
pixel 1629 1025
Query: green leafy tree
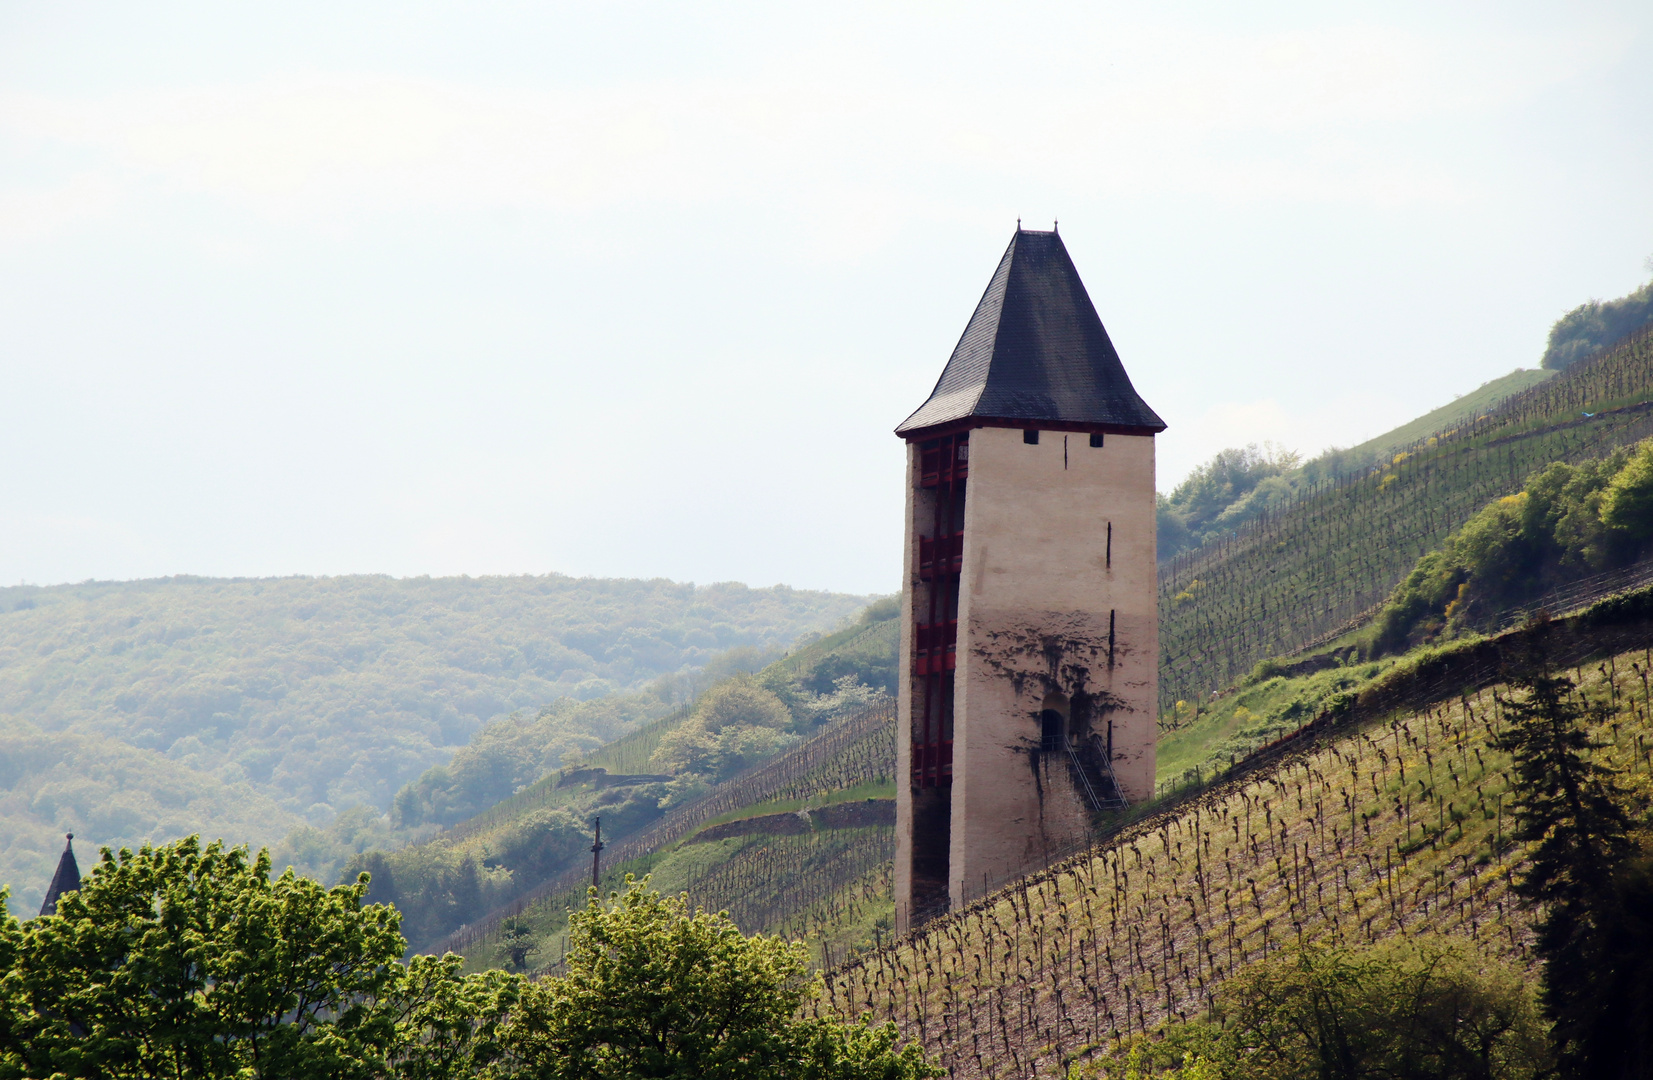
pixel 1628 501
pixel 1423 1010
pixel 655 989
pixel 1568 808
pixel 735 724
pixel 1235 486
pixel 517 942
pixel 1596 325
pixel 1569 520
pixel 190 961
pixel 448 1026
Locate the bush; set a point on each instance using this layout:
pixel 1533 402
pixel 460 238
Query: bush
pixel 1569 521
pixel 1264 671
pixel 1419 1010
pixel 1407 1009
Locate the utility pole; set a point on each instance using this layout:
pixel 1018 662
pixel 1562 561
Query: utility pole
pixel 597 853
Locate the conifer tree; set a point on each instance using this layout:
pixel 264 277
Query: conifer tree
pixel 1617 1040
pixel 1569 807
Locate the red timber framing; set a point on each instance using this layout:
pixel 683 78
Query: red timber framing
pixel 944 463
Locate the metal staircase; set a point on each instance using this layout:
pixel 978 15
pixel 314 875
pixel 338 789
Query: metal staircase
pixel 1095 776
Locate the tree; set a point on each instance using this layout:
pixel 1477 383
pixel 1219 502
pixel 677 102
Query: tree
pixel 1628 501
pixel 1616 1039
pixel 517 942
pixel 190 961
pixel 1568 807
pixel 655 989
pixel 1411 1011
pixel 1596 325
pixel 735 724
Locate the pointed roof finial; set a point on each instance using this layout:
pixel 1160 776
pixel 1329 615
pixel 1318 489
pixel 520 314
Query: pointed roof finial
pixel 1055 226
pixel 67 878
pixel 1018 224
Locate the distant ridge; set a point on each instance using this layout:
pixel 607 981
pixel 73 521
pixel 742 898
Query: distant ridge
pixel 247 708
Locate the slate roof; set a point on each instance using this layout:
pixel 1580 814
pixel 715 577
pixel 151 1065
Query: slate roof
pixel 1035 351
pixel 67 878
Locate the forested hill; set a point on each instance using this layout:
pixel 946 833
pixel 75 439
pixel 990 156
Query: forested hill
pixel 244 707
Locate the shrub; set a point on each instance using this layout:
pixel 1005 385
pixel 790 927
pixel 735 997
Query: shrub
pixel 1413 1009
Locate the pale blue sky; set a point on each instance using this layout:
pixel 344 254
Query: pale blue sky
pixel 641 289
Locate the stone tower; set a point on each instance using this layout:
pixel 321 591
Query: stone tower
pixel 1030 637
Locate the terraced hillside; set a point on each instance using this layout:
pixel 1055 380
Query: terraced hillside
pixel 1300 575
pixel 1386 820
pixel 843 906
pixel 456 887
pixel 828 882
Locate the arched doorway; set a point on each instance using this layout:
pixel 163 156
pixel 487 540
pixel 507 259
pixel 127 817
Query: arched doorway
pixel 1053 723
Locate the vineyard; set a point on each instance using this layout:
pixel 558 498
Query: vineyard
pixel 749 879
pixel 1390 822
pixel 1301 575
pixel 1326 800
pixel 850 755
pixel 832 889
pixel 452 886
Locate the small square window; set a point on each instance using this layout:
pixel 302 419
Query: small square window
pixel 1031 436
pixel 1096 438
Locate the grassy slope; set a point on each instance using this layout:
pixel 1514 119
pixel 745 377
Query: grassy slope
pixel 1306 571
pixel 132 711
pixel 1484 397
pixel 1237 723
pixel 1392 827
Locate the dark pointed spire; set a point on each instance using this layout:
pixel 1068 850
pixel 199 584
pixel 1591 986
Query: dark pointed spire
pixel 67 878
pixel 1035 352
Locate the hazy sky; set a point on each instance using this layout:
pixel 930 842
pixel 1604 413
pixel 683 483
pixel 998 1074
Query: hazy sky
pixel 641 289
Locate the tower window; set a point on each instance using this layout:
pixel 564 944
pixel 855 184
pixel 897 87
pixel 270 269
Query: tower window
pixel 1096 438
pixel 1031 436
